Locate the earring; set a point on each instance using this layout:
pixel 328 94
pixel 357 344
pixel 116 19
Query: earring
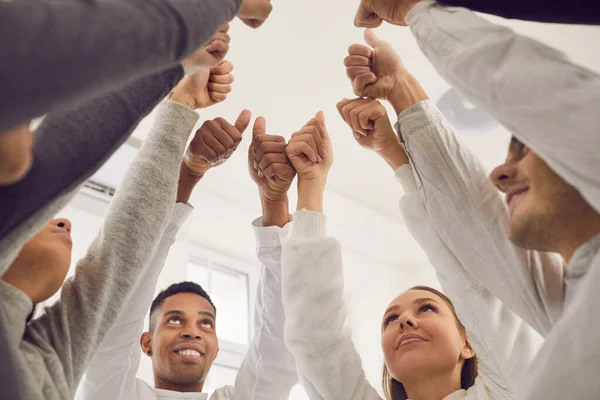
pixel 149 352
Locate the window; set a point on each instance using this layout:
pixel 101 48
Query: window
pixel 229 291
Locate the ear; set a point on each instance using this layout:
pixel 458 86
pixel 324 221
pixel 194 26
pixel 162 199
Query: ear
pixel 146 343
pixel 467 351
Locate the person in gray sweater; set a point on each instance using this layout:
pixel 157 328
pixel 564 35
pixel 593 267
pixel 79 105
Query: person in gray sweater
pixel 55 348
pixel 56 55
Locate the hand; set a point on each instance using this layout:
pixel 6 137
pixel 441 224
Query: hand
pixel 372 13
pixel 310 151
pixel 255 12
pixel 213 144
pixel 269 164
pixel 205 87
pixel 210 55
pixel 373 130
pixel 374 73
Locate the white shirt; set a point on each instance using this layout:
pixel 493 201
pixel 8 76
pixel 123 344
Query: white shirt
pixel 268 370
pixel 551 105
pixel 328 363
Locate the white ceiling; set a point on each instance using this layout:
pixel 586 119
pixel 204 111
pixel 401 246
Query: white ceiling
pixel 292 67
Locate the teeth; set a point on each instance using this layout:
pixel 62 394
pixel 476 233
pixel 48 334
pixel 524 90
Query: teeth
pixel 190 353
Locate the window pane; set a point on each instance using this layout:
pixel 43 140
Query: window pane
pixel 220 376
pixel 229 291
pixel 199 273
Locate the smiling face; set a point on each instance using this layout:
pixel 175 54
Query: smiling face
pixel 183 344
pixel 42 265
pixel 544 210
pixel 421 338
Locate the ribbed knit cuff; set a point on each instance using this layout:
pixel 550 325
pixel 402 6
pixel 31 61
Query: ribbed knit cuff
pixel 406 177
pixel 309 224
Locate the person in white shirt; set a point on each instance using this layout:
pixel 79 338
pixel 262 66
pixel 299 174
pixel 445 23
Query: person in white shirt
pixel 182 338
pixel 429 353
pixel 550 106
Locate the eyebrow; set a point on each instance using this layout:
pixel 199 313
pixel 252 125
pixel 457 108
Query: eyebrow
pixel 179 312
pixel 420 300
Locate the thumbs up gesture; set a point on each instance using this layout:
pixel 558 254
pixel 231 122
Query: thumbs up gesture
pixel 269 165
pixel 374 70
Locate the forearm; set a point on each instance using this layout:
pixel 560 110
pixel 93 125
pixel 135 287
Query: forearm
pixel 70 147
pixel 310 194
pixel 275 213
pixel 121 253
pixel 112 371
pixel 558 11
pixel 315 331
pixel 468 212
pixel 268 370
pixel 534 91
pixel 78 59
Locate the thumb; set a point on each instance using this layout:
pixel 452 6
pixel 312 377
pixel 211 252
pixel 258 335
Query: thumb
pixel 372 39
pixel 241 124
pixel 321 117
pixel 260 127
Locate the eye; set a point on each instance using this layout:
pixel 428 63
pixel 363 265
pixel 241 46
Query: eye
pixel 174 320
pixel 389 319
pixel 208 324
pixel 428 307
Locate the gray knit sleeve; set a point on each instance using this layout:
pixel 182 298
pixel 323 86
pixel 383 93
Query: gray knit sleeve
pixel 90 302
pixel 69 147
pixel 56 55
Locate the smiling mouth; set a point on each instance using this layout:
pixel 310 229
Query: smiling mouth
pixel 189 353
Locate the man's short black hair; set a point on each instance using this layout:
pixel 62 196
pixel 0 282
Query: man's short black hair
pixel 176 288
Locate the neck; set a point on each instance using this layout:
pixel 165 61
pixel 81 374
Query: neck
pixel 583 232
pixel 433 387
pixel 164 384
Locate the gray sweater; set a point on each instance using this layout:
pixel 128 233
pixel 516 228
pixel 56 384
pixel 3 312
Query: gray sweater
pixel 56 54
pixel 55 348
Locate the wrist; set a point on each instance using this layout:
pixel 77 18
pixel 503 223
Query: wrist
pixel 406 93
pixel 187 183
pixel 275 212
pixel 310 194
pixel 395 156
pixel 182 98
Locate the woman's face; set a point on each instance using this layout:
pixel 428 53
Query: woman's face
pixel 421 337
pixel 42 265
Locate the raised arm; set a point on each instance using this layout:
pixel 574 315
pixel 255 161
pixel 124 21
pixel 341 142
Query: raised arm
pixel 466 210
pixel 558 11
pixel 545 100
pixel 77 60
pixel 268 370
pixel 312 283
pixel 504 343
pixel 111 374
pixel 124 248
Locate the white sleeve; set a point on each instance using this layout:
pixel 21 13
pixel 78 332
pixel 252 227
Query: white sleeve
pixel 315 331
pixel 549 103
pixel 268 371
pixel 568 364
pixel 504 344
pixel 112 371
pixel 470 217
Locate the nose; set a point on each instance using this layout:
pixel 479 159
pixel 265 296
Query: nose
pixel 502 175
pixel 191 335
pixel 406 321
pixel 63 223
